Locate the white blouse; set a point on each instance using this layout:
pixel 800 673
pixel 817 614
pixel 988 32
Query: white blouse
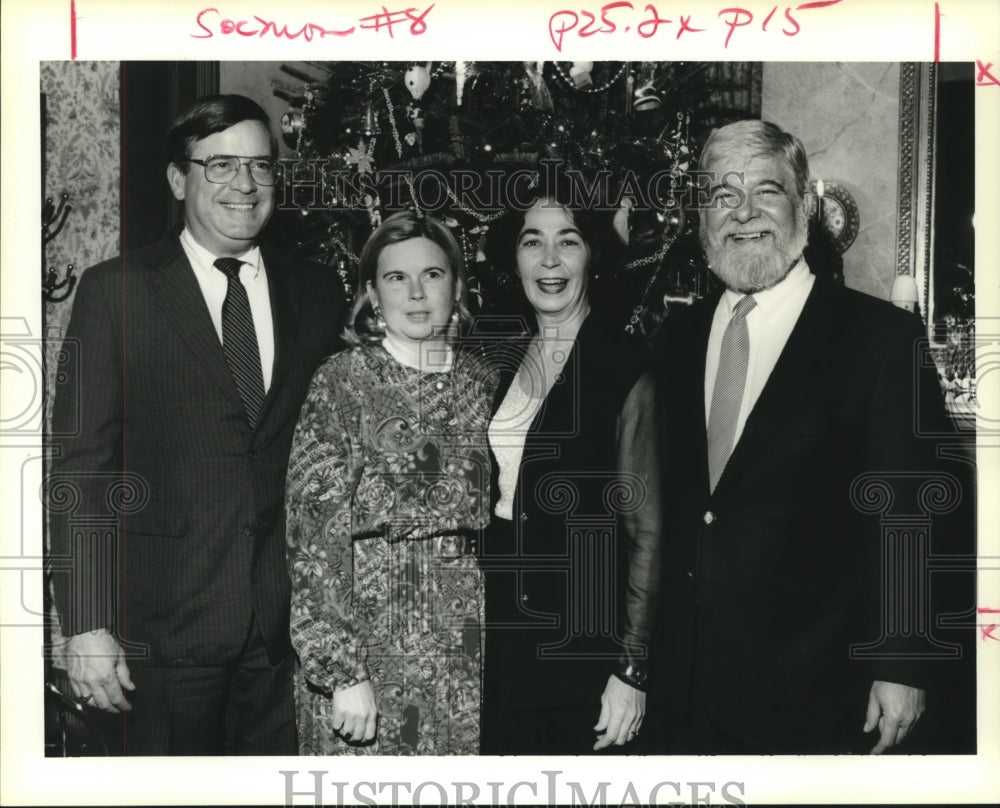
pixel 542 363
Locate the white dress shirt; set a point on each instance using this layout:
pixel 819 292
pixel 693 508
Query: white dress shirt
pixel 214 285
pixel 768 324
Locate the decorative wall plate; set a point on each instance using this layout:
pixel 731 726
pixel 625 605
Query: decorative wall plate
pixel 840 214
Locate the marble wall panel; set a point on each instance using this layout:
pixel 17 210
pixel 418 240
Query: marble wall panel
pixel 847 116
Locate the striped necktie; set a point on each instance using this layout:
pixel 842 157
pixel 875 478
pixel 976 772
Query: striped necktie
pixel 727 395
pixel 239 341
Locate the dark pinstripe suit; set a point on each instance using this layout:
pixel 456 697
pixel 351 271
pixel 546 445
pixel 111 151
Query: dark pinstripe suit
pixel 200 552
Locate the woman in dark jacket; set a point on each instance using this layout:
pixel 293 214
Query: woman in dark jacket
pixel 571 554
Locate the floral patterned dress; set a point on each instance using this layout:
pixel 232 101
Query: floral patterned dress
pixel 388 488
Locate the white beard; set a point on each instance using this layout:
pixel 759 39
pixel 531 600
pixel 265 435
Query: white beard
pixel 749 269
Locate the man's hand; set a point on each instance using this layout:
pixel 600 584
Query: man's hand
pixel 622 709
pixel 894 709
pixel 354 712
pixel 97 670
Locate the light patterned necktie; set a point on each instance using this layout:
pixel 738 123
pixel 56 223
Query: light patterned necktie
pixel 239 341
pixel 728 392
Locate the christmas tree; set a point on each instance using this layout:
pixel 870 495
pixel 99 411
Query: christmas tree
pixel 456 140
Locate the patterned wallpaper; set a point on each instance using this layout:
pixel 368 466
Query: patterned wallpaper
pixel 82 158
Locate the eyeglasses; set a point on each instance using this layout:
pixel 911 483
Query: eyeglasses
pixel 221 168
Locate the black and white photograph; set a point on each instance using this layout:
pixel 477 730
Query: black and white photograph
pixel 594 430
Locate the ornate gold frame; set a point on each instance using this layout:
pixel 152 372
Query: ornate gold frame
pixel 915 212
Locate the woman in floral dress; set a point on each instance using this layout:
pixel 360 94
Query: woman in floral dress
pixel 388 488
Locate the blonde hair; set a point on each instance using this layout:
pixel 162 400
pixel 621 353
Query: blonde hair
pixel 361 323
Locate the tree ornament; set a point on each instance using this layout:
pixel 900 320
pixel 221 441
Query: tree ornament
pixel 417 79
pixel 683 161
pixel 415 116
pixel 461 72
pixel 620 220
pixel 361 157
pixel 291 125
pixel 291 122
pixel 580 73
pixel 537 89
pixel 369 121
pixel 646 98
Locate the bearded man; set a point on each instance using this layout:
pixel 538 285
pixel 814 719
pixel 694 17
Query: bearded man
pixel 773 399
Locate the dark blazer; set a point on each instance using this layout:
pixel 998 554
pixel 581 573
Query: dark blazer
pixel 174 536
pixel 771 578
pixel 564 503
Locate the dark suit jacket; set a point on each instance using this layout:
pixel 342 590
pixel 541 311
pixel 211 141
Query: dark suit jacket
pixel 771 578
pixel 559 574
pixel 149 427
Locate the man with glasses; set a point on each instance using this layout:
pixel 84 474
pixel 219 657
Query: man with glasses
pixel 188 362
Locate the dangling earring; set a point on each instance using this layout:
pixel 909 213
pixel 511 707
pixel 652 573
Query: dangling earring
pixel 454 316
pixel 379 320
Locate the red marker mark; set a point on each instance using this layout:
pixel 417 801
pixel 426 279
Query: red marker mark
pixel 686 26
pixel 987 630
pixel 556 34
pixel 411 19
pixel 788 16
pixel 72 29
pixel 583 23
pixel 387 19
pixel 817 4
pixel 648 27
pixel 984 78
pixel 737 21
pixel 937 32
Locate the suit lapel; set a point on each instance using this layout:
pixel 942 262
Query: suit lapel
pixel 679 354
pixel 798 375
pixel 176 289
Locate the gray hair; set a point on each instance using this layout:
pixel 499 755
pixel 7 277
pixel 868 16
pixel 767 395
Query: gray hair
pixel 758 138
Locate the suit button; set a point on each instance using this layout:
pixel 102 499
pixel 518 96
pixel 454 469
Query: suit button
pixel 248 530
pixel 524 598
pixel 708 518
pixel 253 454
pixel 524 517
pixel 690 575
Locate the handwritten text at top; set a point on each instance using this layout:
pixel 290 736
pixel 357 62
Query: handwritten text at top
pixel 623 17
pixel 211 21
